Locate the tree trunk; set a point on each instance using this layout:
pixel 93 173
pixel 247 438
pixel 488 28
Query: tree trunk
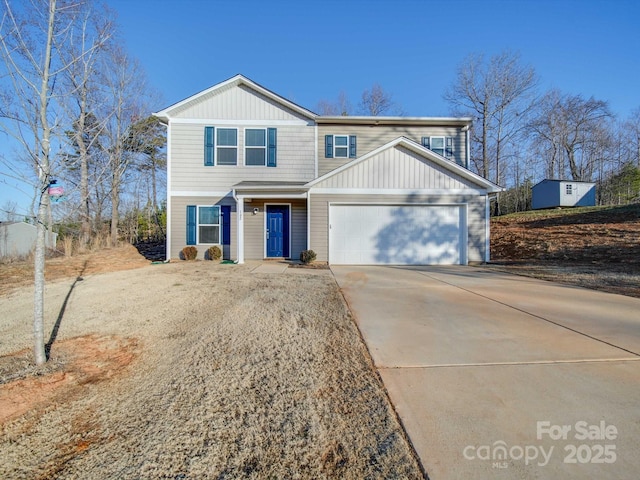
pixel 85 219
pixel 44 177
pixel 115 204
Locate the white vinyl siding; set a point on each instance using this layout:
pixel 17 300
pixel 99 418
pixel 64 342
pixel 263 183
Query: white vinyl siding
pixel 236 103
pixel 296 159
pixel 396 168
pixel 372 137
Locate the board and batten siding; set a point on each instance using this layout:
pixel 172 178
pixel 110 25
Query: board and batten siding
pixel 295 159
pixel 370 137
pixel 476 220
pixel 395 168
pixel 179 224
pixel 236 102
pixel 254 227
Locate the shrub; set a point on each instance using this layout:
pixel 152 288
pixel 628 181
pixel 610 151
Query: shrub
pixel 307 256
pixel 189 253
pixel 214 253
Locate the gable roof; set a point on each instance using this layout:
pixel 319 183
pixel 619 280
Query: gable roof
pixel 433 157
pixel 234 81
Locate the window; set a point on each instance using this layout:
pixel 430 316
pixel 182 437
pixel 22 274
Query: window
pixel 227 146
pixel 340 146
pixel 440 145
pixel 437 145
pixel 255 142
pixel 203 224
pixel 568 189
pixel 208 224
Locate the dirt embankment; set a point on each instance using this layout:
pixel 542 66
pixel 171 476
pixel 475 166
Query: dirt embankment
pixel 194 370
pixel 592 247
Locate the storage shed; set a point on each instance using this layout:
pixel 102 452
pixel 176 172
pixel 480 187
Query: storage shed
pixel 19 238
pixel 563 193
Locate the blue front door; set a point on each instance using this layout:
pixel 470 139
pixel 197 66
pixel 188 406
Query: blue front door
pixel 277 231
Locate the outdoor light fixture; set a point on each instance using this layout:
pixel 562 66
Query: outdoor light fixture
pixel 256 210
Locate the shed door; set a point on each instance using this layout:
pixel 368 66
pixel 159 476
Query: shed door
pixel 397 235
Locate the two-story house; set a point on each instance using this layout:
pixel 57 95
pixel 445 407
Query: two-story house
pixel 263 177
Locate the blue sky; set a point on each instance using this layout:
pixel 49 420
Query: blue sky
pixel 312 50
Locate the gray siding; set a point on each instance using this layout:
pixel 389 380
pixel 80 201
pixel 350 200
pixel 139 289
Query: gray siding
pixel 236 102
pixel 179 224
pixel 371 137
pixel 396 168
pixel 476 219
pixel 295 159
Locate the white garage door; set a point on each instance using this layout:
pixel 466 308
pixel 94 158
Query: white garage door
pixel 397 235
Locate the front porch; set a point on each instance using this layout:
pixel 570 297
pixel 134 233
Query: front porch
pixel 272 220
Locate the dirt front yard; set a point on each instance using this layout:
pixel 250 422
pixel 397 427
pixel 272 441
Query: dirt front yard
pixel 592 247
pixel 194 370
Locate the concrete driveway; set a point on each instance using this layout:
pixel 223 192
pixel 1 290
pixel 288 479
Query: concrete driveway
pixel 499 376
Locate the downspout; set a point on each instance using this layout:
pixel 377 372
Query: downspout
pixel 467 153
pixel 169 188
pixel 240 224
pixel 487 231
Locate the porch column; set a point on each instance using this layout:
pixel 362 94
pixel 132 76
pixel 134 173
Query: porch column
pixel 240 235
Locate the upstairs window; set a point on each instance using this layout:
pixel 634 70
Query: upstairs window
pixel 227 146
pixel 440 145
pixel 260 147
pixel 255 142
pixel 340 146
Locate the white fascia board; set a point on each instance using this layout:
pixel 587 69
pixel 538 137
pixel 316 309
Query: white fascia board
pixel 373 120
pixel 186 193
pixel 398 191
pixel 213 121
pixel 271 195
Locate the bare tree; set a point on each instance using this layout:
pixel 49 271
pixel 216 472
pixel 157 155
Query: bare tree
pixel 28 40
pixel 340 107
pixel 376 101
pixel 93 32
pixel 499 95
pixel 631 136
pixel 126 86
pixel 574 133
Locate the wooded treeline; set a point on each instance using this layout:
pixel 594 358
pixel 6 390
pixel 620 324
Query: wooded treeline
pixel 93 108
pixel 522 135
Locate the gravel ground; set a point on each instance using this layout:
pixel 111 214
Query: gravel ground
pixel 196 370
